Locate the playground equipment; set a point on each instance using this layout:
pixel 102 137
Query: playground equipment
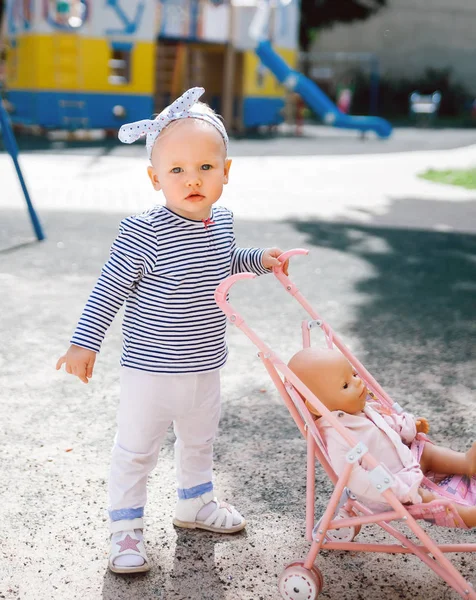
pixel 12 149
pixel 75 64
pixel 305 87
pixel 339 70
pixel 72 65
pixel 84 64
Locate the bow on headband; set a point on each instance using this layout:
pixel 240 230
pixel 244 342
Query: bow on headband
pixel 180 109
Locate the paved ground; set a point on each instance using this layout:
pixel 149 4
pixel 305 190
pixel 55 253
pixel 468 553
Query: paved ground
pixel 392 268
pixel 313 140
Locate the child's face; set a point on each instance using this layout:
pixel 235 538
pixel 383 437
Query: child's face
pixel 189 165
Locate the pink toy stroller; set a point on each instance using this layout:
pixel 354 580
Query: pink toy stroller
pixel 344 516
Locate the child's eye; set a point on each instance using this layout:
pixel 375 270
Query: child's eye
pixel 206 167
pixel 356 374
pixel 346 385
pixel 176 170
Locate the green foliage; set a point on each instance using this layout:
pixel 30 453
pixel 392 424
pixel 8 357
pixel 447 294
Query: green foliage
pixel 317 14
pixel 464 177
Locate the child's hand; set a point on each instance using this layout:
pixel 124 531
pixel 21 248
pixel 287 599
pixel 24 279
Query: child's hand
pixel 422 425
pixel 79 361
pixel 270 259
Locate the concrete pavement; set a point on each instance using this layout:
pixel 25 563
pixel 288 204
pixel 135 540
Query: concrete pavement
pixel 392 269
pixel 375 189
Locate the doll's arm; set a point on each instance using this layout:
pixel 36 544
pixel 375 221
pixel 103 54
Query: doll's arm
pixel 404 424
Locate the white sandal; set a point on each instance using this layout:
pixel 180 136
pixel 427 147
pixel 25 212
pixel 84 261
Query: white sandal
pixel 127 544
pixel 220 520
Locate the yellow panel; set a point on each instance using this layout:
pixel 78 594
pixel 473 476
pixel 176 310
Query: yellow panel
pixel 256 84
pixel 21 63
pixel 73 63
pixel 97 53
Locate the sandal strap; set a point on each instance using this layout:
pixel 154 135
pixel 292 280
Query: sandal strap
pixel 222 516
pixel 126 525
pixel 133 546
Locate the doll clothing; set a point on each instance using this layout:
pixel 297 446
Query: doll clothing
pixel 387 437
pixel 460 489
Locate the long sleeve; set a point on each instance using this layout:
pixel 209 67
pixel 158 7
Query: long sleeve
pixel 403 424
pixel 133 254
pixel 248 260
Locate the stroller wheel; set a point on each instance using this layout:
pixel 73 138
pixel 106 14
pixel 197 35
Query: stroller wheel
pixel 298 583
pixel 344 534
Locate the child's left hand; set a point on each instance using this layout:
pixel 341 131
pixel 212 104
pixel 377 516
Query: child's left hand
pixel 422 425
pixel 270 259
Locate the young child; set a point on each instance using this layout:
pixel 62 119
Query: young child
pixel 165 265
pixel 391 438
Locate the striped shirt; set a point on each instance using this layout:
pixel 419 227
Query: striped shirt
pixel 166 269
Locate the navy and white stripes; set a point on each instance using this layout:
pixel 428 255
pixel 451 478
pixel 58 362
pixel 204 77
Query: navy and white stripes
pixel 166 268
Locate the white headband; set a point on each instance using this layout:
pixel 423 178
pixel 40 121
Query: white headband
pixel 180 109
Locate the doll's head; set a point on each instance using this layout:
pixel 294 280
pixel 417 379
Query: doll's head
pixel 330 377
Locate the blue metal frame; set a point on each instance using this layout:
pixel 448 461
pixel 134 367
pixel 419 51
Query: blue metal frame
pixel 91 110
pixel 12 149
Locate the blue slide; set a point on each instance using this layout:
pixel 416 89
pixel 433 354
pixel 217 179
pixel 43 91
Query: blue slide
pixel 315 97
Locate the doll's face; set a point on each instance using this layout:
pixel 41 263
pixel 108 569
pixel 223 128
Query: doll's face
pixel 330 377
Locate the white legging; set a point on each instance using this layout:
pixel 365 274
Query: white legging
pixel 149 403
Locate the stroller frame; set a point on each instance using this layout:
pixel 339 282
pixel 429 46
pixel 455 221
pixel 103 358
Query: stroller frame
pixel 302 579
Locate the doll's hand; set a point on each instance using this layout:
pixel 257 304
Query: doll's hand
pixel 270 259
pixel 422 425
pixel 78 361
pixel 426 496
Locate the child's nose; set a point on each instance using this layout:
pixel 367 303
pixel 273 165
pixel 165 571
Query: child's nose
pixel 194 182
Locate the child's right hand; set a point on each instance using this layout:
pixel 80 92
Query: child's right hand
pixel 78 361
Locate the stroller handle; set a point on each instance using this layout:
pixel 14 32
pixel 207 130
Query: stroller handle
pixel 292 289
pixel 224 288
pixel 222 291
pixel 286 255
pixel 281 275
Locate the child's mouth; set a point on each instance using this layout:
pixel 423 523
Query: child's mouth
pixel 194 197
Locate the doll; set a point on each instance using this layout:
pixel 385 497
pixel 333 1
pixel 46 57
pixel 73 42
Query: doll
pixel 394 439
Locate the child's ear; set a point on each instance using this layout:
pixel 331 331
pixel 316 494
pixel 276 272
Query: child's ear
pixel 153 178
pixel 227 170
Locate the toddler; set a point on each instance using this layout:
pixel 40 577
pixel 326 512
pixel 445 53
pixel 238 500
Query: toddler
pixel 391 438
pixel 165 264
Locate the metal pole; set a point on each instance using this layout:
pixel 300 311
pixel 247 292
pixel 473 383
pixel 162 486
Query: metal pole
pixel 374 85
pixel 12 149
pixel 229 74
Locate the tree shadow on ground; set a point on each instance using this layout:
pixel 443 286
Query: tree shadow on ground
pixel 194 573
pixel 416 310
